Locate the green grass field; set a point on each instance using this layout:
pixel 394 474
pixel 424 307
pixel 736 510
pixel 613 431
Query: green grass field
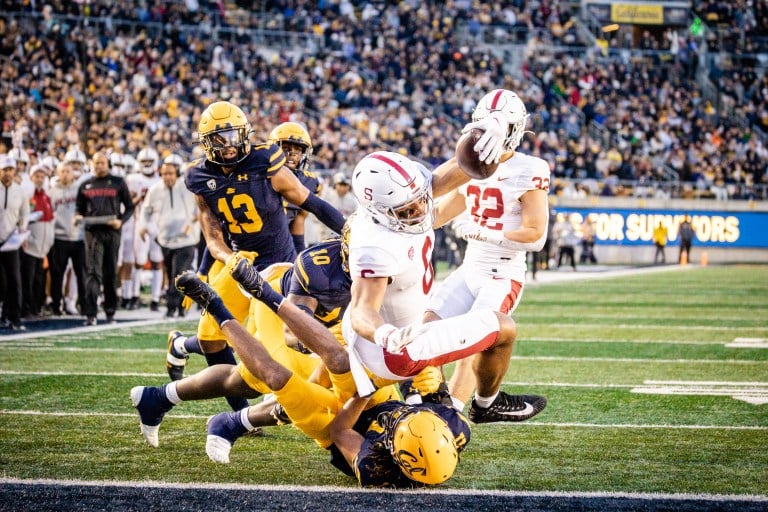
pixel 644 396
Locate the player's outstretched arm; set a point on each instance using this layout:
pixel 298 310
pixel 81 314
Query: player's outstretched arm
pixel 288 185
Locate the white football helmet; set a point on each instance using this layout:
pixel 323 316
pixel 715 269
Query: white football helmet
pixel 395 191
pixel 122 164
pixel 50 162
pixel 512 108
pixel 75 155
pixel 147 161
pixel 21 157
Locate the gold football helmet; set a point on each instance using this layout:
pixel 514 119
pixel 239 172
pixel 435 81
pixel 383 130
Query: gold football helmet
pixel 223 126
pixel 290 134
pixel 423 445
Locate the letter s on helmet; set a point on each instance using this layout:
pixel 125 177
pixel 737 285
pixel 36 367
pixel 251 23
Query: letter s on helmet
pixel 424 447
pixel 223 125
pixel 391 187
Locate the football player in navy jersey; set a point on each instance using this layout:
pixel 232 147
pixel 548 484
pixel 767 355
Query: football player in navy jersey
pixel 296 143
pixel 392 445
pixel 239 189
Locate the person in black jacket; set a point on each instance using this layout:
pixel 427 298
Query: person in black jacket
pixel 99 201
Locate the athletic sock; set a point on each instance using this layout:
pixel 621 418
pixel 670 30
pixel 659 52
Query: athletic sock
pixel 485 402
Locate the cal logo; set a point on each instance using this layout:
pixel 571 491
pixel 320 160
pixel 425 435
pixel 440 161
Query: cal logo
pixel 211 184
pixel 230 190
pixel 242 177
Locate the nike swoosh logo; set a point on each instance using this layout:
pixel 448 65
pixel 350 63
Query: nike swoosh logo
pixel 528 410
pixel 502 179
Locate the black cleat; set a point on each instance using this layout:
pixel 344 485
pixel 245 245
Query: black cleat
pixel 175 361
pixel 508 407
pixel 193 287
pixel 249 278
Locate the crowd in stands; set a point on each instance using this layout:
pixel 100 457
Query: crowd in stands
pixel 403 76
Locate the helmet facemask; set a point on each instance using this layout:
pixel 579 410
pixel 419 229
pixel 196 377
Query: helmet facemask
pixel 216 143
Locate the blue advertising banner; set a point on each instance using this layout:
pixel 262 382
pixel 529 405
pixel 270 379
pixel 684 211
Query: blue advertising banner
pixel 635 227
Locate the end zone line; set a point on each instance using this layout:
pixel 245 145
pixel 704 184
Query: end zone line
pixel 454 492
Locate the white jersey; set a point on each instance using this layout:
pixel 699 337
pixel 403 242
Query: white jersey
pixel 375 251
pixel 494 203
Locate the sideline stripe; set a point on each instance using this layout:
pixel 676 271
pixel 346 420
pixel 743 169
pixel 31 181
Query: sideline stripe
pixel 79 330
pixel 454 492
pixel 490 425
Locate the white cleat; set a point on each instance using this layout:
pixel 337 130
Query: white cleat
pixel 218 449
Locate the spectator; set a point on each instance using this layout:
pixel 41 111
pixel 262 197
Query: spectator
pixel 170 216
pixel 36 247
pixel 567 239
pixel 685 235
pixel 14 217
pixel 68 244
pixel 340 198
pixel 99 201
pixel 660 234
pixel 587 241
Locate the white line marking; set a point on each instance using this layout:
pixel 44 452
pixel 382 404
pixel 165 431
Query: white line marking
pixel 431 491
pixel 492 425
pixel 79 330
pixel 639 342
pixel 755 393
pixel 681 327
pixel 636 360
pixel 748 343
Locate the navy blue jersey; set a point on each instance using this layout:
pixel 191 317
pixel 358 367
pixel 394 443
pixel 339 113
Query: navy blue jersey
pixel 250 210
pixel 309 180
pixel 318 273
pixel 375 465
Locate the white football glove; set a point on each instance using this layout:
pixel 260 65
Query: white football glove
pixel 394 339
pixel 464 228
pixel 490 145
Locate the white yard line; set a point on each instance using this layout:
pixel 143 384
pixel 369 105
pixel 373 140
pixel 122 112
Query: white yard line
pixel 490 425
pixel 430 491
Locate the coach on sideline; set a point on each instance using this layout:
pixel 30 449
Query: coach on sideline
pixel 169 214
pixel 98 206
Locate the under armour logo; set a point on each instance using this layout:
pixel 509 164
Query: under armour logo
pixel 242 177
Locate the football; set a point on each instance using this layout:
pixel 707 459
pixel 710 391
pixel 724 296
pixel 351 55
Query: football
pixel 469 160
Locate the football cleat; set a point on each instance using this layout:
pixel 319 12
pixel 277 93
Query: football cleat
pixel 151 404
pixel 249 278
pixel 279 415
pixel 193 287
pixel 175 361
pixel 508 407
pixel 223 430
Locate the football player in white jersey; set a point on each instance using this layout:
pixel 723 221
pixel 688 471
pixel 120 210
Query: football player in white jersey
pixel 502 218
pixel 390 252
pixel 144 248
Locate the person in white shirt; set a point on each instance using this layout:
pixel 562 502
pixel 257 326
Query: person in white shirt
pixel 36 247
pixel 68 238
pixel 169 215
pixel 502 218
pixel 14 218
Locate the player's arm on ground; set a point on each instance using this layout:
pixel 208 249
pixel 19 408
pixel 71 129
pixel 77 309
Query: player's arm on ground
pixel 346 439
pixel 285 183
pixel 447 177
pixel 214 236
pixel 448 208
